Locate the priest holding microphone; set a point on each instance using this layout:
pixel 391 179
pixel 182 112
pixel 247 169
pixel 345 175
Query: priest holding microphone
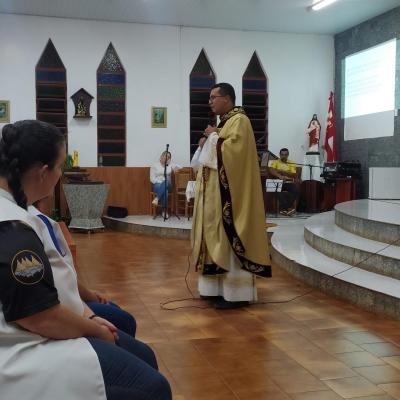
pixel 228 237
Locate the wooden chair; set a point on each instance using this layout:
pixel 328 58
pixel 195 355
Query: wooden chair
pixel 182 177
pixel 153 209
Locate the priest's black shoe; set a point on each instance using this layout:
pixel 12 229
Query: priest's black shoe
pixel 222 304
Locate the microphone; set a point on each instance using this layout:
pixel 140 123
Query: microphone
pixel 167 146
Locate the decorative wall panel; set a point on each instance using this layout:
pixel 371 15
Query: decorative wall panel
pixel 111 110
pixel 202 78
pixel 51 88
pixel 255 101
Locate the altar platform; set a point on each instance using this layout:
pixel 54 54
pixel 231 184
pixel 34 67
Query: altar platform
pixel 147 225
pixel 177 228
pixel 352 252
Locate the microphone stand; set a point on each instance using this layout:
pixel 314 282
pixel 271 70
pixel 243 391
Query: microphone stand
pixel 165 205
pixel 310 166
pixel 276 184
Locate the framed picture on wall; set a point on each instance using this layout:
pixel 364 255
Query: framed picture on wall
pixel 158 117
pixel 4 111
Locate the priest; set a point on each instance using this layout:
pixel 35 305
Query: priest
pixel 228 236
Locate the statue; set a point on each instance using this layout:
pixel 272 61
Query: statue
pixel 75 162
pixel 311 158
pixel 82 100
pixel 314 131
pixel 81 108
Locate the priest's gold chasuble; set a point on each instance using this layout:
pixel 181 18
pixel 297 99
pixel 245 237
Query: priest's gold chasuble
pixel 229 210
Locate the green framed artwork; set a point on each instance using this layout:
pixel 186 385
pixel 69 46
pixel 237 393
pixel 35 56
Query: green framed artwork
pixel 158 117
pixel 4 111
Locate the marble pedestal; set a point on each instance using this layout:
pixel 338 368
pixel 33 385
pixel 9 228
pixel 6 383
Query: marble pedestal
pixel 311 173
pixel 86 204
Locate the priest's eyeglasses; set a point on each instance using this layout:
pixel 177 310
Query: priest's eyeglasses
pixel 212 98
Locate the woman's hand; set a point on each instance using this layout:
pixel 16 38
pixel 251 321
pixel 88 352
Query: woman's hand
pixel 104 323
pixel 106 335
pixel 92 295
pixel 100 298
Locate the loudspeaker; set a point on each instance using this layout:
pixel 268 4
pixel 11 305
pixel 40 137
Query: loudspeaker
pixel 117 212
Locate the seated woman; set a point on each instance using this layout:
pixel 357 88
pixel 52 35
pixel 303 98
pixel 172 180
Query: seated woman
pixel 157 177
pixel 52 344
pixel 96 301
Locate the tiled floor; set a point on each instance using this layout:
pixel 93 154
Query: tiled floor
pixel 312 348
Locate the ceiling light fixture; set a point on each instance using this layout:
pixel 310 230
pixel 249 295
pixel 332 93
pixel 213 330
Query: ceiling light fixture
pixel 322 4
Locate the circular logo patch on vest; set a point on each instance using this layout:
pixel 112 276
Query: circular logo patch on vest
pixel 27 267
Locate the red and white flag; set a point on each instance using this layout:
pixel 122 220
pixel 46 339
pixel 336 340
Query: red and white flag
pixel 330 137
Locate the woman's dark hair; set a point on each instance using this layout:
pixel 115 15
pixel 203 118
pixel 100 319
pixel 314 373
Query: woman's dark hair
pixel 226 89
pixel 23 145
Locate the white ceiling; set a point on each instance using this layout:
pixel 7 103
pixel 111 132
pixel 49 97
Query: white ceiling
pixel 261 15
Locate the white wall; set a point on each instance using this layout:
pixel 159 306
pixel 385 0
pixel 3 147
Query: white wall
pixel 158 61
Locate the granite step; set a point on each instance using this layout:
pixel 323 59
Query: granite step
pixel 369 290
pixel 321 233
pixel 373 219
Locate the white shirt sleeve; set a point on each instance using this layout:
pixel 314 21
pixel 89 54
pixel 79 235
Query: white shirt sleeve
pixel 156 173
pixel 208 155
pixel 175 166
pixel 152 174
pixel 194 163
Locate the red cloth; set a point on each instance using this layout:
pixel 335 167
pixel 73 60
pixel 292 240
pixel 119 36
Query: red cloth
pixel 330 137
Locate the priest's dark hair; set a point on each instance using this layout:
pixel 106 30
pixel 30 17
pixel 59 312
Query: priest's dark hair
pixel 23 145
pixel 226 89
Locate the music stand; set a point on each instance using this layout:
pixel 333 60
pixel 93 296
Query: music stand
pixel 274 186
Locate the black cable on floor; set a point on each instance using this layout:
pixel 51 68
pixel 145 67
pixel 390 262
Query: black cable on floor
pixel 193 298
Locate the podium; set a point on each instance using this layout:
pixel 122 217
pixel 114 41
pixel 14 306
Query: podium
pixel 312 195
pixel 311 187
pixel 338 191
pixel 86 204
pixel 311 170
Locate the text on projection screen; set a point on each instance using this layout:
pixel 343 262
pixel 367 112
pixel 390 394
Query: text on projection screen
pixel 369 92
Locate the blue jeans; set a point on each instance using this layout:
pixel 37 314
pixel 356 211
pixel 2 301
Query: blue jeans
pixel 129 370
pixel 116 315
pixel 159 189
